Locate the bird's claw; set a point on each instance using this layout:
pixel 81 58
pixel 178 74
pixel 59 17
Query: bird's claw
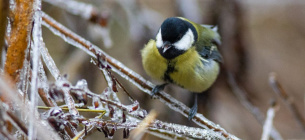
pixel 193 112
pixel 157 89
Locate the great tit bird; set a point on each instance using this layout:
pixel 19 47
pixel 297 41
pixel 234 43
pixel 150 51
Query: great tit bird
pixel 184 53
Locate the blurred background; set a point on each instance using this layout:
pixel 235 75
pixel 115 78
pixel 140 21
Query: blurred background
pixel 258 36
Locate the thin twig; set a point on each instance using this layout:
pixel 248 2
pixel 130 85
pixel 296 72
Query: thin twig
pixel 37 41
pixel 82 133
pixel 44 87
pixel 128 74
pixel 56 74
pixel 130 108
pixel 19 123
pixel 43 97
pixel 268 125
pixel 44 130
pixel 78 109
pixel 255 111
pixel 18 39
pixel 279 90
pixel 6 134
pixel 163 128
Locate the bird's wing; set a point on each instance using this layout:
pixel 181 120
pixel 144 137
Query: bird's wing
pixel 211 53
pixel 214 28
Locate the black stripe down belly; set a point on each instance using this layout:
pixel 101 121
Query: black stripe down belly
pixel 170 69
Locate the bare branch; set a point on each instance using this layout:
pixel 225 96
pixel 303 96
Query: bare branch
pixel 268 125
pixel 56 74
pixel 255 111
pixel 128 74
pixel 44 98
pixel 44 131
pixel 17 122
pixel 18 39
pixel 279 90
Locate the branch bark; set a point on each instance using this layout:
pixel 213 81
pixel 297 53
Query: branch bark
pixel 18 39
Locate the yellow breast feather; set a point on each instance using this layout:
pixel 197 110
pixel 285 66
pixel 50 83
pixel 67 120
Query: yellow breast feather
pixel 154 64
pixel 192 74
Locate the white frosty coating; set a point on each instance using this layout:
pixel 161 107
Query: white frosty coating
pixel 268 126
pixel 108 80
pixel 110 83
pixel 67 97
pixel 12 5
pixel 56 74
pixel 37 41
pixel 49 62
pixel 165 136
pixel 59 80
pixel 8 34
pixel 21 106
pixel 43 81
pixel 23 83
pixel 185 131
pixel 74 7
pixel 177 130
pixel 82 84
pixel 175 104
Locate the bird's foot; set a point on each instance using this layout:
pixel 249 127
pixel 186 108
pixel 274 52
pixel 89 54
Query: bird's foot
pixel 193 110
pixel 157 89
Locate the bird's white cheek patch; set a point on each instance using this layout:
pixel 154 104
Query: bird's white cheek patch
pixel 186 41
pixel 159 40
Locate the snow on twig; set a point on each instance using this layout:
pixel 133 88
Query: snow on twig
pixel 268 125
pixel 241 95
pixel 44 130
pixel 128 74
pixel 279 90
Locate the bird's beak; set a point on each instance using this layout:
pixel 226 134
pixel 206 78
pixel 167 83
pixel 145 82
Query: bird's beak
pixel 166 45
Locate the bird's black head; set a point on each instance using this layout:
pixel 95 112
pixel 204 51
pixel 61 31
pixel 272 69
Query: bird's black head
pixel 175 36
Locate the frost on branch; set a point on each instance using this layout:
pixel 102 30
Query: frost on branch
pixel 73 110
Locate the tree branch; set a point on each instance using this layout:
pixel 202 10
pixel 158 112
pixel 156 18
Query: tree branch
pixel 18 38
pixel 279 90
pixel 128 74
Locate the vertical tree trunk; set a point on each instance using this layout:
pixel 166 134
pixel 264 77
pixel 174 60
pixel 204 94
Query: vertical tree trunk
pixel 18 39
